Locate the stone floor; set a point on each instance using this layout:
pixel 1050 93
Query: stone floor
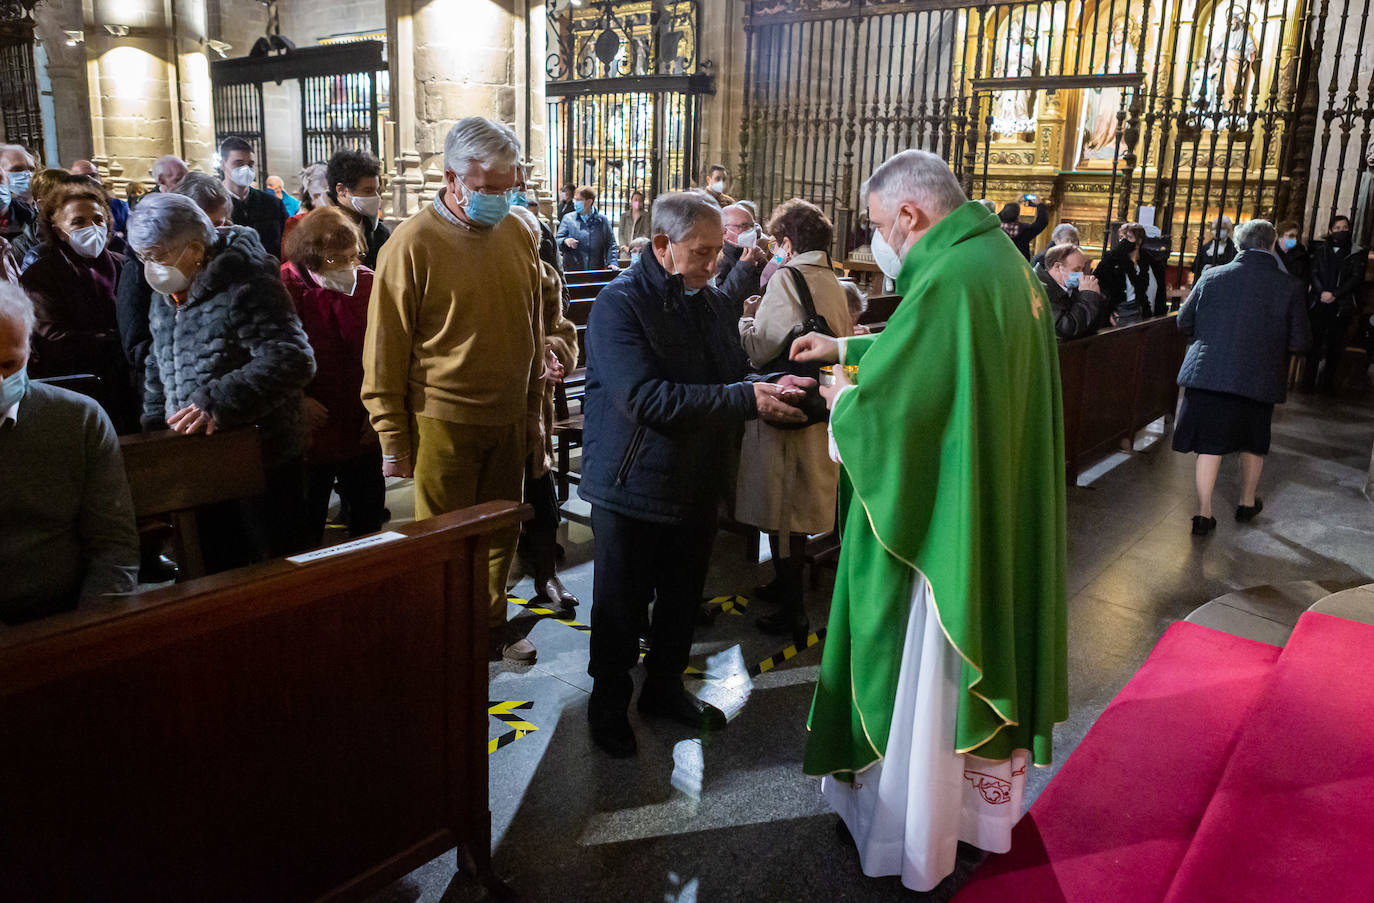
pixel 731 817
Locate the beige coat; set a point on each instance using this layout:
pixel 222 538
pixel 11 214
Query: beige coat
pixel 787 482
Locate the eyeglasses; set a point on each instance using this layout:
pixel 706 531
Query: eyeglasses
pixel 346 258
pixel 508 193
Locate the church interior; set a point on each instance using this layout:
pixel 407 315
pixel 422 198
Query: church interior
pixel 333 725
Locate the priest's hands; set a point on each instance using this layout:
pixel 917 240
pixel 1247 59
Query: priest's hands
pixel 777 403
pixel 815 347
pixel 831 392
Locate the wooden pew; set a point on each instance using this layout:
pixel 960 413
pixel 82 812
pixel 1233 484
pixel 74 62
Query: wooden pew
pixel 1114 384
pixel 880 309
pixel 581 277
pixel 279 732
pixel 171 475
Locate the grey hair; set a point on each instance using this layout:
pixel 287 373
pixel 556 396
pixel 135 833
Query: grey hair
pixel 988 203
pixel 1221 222
pixel 479 140
pixel 1256 234
pixel 167 220
pixel 207 191
pixel 677 213
pixel 6 148
pixel 314 179
pixel 918 176
pixel 164 163
pixel 742 208
pixel 15 304
pixel 1065 234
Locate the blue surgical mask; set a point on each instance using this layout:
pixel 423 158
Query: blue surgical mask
pixel 689 292
pixel 779 259
pixel 579 206
pixel 1289 244
pixel 5 197
pixel 1071 280
pixel 486 209
pixel 518 199
pixel 13 387
pixel 19 182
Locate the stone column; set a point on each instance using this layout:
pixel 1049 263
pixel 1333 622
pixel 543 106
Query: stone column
pixel 449 59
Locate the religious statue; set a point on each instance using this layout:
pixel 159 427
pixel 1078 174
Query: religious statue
pixel 1015 56
pixel 1221 79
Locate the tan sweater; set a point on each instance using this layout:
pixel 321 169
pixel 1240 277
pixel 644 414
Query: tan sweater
pixel 454 328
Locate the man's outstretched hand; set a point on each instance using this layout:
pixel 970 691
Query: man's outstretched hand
pixel 815 347
pixel 778 404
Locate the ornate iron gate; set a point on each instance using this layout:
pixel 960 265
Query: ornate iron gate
pixel 624 99
pixel 20 113
pixel 239 111
pixel 1176 111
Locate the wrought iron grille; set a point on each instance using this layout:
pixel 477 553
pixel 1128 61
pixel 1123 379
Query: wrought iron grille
pixel 239 111
pixel 620 142
pixel 340 111
pixel 620 38
pixel 20 113
pixel 1178 111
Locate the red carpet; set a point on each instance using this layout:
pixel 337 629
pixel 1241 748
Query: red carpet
pixel 1293 817
pixel 1116 821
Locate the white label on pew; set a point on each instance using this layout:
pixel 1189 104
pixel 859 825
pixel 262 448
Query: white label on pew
pixel 344 548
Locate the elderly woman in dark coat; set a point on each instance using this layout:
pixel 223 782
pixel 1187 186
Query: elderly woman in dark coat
pixel 72 281
pixel 1245 318
pixel 228 350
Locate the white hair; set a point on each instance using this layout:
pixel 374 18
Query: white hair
pixel 1221 222
pixel 677 213
pixel 917 176
pixel 741 208
pixel 16 305
pixel 479 140
pixel 1065 234
pixel 167 220
pixel 1256 234
pixel 164 163
pixel 208 192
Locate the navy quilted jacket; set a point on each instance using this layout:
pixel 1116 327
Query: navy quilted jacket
pixel 1245 317
pixel 234 347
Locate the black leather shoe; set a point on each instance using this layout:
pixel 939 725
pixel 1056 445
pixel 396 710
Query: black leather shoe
pixel 612 732
pixel 1246 513
pixel 676 703
pixel 1203 525
pixel 785 622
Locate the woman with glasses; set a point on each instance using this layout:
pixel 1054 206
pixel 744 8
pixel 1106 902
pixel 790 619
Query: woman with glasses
pixel 227 351
pixel 327 280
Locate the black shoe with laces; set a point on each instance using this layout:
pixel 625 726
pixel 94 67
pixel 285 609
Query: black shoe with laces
pixel 612 732
pixel 671 700
pixel 1246 513
pixel 1203 525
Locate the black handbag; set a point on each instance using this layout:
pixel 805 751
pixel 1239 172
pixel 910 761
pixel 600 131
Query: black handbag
pixel 811 322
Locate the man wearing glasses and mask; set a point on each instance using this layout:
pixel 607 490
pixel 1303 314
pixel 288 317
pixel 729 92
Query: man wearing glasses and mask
pixel 453 361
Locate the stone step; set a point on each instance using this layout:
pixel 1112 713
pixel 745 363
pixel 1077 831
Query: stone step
pixel 1265 613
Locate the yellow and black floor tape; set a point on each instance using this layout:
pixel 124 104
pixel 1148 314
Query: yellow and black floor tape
pixel 783 655
pixel 550 613
pixel 505 711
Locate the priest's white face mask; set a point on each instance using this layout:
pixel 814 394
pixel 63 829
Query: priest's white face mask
pixel 891 235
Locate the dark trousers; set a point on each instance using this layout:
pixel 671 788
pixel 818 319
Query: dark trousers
pixel 638 562
pixel 1329 327
pixel 361 486
pixel 236 533
pixel 541 493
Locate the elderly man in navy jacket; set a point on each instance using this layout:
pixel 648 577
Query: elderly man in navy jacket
pixel 667 391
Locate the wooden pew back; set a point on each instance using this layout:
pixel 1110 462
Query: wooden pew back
pixel 279 732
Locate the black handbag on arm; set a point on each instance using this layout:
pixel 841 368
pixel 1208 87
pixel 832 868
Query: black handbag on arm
pixel 811 322
pixel 813 405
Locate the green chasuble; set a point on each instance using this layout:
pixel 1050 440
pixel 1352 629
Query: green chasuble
pixel 953 449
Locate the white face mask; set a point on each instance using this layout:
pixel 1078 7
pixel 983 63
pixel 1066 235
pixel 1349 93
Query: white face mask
pixel 164 278
pixel 243 176
pixel 887 259
pixel 88 242
pixel 367 206
pixel 748 238
pixel 342 281
pixel 718 186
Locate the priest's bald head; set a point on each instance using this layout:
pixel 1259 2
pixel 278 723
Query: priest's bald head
pixel 909 193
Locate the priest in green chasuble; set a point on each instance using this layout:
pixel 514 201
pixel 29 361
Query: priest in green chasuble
pixel 944 668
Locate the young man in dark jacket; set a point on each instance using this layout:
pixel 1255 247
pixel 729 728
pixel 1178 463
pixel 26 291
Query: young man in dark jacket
pixel 666 392
pixel 1075 298
pixel 1337 273
pixel 262 212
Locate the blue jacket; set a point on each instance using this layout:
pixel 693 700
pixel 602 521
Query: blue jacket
pixel 666 398
pixel 1245 317
pixel 596 248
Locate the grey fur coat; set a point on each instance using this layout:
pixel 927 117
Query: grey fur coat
pixel 234 348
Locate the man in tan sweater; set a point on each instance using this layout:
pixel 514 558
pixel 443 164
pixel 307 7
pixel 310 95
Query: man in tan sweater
pixel 453 363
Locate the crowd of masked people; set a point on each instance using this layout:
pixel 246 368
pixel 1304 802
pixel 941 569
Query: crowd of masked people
pixel 1127 284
